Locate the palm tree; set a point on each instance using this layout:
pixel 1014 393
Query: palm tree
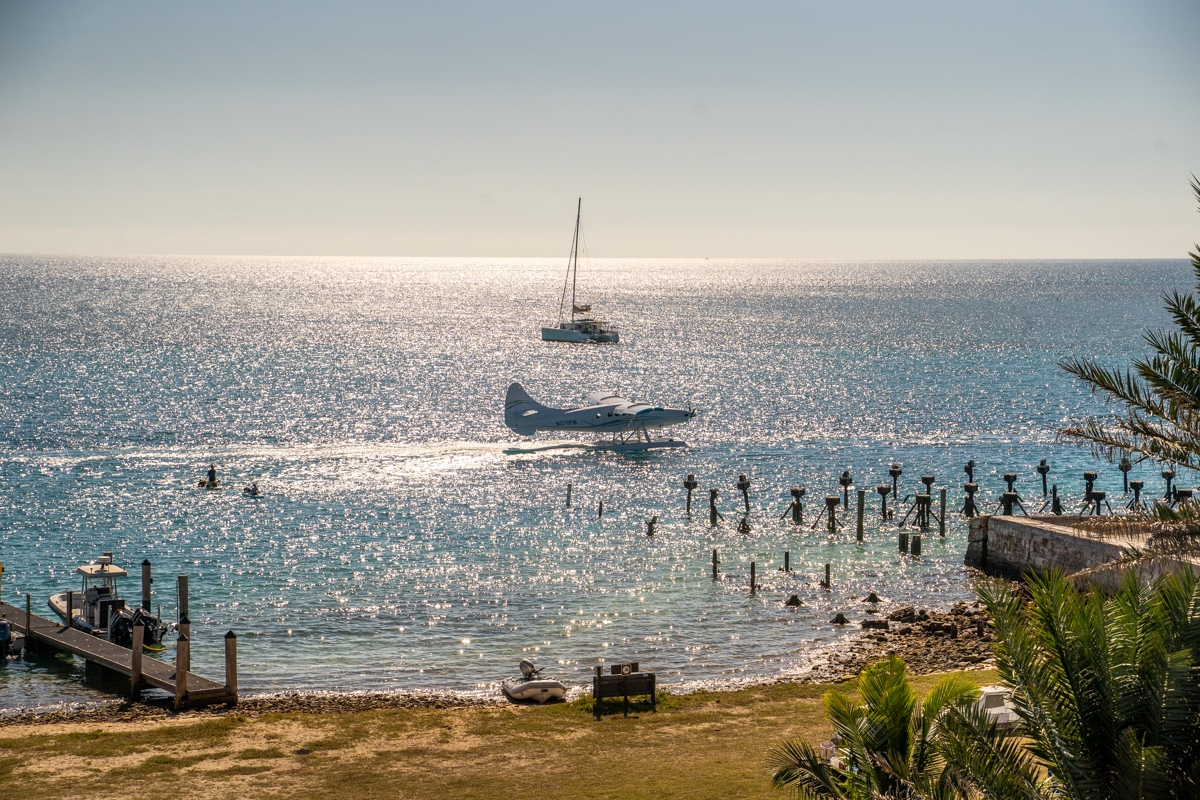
pixel 1158 399
pixel 889 742
pixel 1107 688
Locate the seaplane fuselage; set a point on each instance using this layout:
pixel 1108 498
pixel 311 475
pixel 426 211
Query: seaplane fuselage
pixel 601 412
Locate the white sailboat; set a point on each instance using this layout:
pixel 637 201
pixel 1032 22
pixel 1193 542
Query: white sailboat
pixel 582 328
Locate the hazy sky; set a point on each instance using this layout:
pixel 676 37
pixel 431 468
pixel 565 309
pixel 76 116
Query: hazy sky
pixel 793 129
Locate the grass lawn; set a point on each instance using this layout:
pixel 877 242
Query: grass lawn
pixel 707 745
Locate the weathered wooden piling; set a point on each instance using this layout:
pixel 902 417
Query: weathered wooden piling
pixel 862 502
pixel 751 577
pixel 181 587
pixel 182 665
pixel 787 561
pixel 826 583
pixel 690 483
pixel 135 664
pixel 902 541
pixel 942 512
pixel 70 607
pixel 743 485
pixel 146 582
pixel 569 488
pixel 915 547
pixel 715 563
pixel 600 511
pixel 231 677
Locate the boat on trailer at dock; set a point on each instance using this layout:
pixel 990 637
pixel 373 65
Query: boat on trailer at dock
pixel 99 609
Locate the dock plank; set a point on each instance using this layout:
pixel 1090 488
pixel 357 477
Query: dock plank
pixel 155 673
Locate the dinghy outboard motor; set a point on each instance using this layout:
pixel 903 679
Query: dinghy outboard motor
pixel 528 668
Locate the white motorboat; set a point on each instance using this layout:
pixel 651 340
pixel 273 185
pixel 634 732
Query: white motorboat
pixel 996 700
pixel 532 686
pixel 99 609
pixel 578 329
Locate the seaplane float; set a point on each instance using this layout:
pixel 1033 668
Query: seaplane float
pixel 629 423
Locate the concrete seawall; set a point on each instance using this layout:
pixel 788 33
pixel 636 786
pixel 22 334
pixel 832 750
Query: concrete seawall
pixel 1012 546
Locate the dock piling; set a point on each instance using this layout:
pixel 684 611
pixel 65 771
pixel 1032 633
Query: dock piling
pixel 182 664
pixel 743 485
pixel 826 583
pixel 787 561
pixel 146 581
pixel 181 588
pixel 135 664
pixel 915 547
pixel 942 510
pixel 715 563
pixel 569 487
pixel 902 541
pixel 751 577
pixel 70 609
pixel 690 483
pixel 600 511
pixel 231 664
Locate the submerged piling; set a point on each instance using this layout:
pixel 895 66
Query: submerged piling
pixel 942 512
pixel 862 501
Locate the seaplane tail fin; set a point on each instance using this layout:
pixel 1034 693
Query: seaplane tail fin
pixel 522 412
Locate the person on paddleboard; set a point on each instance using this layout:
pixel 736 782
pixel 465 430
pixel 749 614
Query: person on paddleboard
pixel 212 474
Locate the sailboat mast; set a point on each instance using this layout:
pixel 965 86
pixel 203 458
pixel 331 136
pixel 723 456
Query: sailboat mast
pixel 575 256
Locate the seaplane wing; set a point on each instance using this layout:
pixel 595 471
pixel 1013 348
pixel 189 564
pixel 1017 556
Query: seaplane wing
pixel 601 412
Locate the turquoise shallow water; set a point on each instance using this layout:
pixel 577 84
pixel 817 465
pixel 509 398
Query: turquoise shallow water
pixel 398 544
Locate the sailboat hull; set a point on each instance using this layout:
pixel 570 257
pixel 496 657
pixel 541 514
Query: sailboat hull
pixel 577 336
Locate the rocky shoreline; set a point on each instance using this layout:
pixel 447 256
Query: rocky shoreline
pixel 928 641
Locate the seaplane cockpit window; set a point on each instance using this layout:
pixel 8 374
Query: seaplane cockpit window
pixel 529 413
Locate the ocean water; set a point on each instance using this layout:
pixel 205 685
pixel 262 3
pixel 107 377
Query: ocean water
pixel 401 543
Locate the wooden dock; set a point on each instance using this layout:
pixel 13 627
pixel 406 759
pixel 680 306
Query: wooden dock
pixel 143 672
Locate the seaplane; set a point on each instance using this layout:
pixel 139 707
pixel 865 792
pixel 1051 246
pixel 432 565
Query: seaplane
pixel 628 422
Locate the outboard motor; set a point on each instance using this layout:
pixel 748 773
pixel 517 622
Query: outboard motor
pixel 528 668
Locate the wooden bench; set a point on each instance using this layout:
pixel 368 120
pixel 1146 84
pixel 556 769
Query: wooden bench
pixel 625 681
